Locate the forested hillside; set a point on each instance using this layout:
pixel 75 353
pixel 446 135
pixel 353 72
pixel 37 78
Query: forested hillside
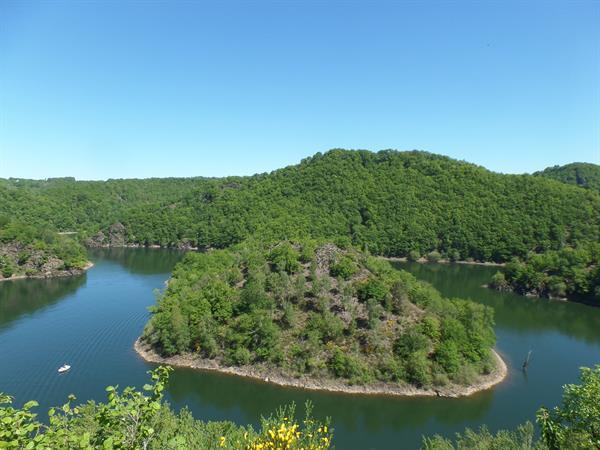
pixel 295 309
pixel 581 174
pixel 32 251
pixel 391 202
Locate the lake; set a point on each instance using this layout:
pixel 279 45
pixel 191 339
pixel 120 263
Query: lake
pixel 91 322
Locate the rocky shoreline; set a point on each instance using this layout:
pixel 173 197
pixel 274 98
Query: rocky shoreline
pixel 52 274
pixel 446 261
pixel 267 375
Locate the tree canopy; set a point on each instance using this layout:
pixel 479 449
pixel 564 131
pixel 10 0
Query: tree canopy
pixel 585 175
pixel 392 202
pixel 32 250
pixel 572 273
pixel 308 308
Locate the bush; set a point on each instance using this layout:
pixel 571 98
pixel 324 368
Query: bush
pixel 434 256
pixel 240 356
pixel 448 355
pixel 284 257
pixel 6 267
pixel 414 255
pixel 499 282
pixel 372 288
pixel 346 366
pixel 344 268
pixel 576 423
pixel 418 368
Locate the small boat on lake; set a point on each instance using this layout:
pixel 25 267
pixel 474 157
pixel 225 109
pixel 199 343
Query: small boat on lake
pixel 64 368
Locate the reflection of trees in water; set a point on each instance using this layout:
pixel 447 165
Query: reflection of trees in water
pixel 227 394
pixel 145 261
pixel 22 297
pixel 512 312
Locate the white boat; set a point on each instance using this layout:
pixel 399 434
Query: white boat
pixel 63 368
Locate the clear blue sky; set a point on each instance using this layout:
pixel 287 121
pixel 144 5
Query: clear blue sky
pixel 114 89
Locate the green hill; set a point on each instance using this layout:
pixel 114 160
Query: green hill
pixel 391 202
pixel 580 174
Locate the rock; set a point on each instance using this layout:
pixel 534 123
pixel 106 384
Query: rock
pixel 116 235
pixel 97 240
pixel 115 238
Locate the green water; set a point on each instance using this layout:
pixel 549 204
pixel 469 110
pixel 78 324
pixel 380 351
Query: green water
pixel 92 321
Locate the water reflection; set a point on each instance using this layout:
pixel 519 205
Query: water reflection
pixel 512 312
pixel 23 297
pixel 142 261
pixel 222 397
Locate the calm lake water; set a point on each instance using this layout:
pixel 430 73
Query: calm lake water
pixel 91 322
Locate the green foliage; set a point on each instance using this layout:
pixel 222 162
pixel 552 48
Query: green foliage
pixel 6 266
pixel 586 175
pixel 344 268
pixel 296 317
pixel 284 257
pixel 433 256
pixel 34 250
pixel 521 439
pixel 569 272
pixel 372 288
pixel 414 255
pixel 576 423
pixel 134 419
pixel 346 366
pixel 393 203
pixel 572 426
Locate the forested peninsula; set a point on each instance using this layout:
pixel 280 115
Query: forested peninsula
pixel 572 273
pixel 34 252
pixel 316 315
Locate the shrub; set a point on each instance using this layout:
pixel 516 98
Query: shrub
pixel 284 257
pixel 346 366
pixel 372 288
pixel 414 255
pixel 344 268
pixel 240 356
pixel 418 368
pixel 434 256
pixel 499 282
pixel 6 267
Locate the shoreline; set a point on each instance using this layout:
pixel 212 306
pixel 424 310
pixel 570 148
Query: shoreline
pixel 61 274
pixel 421 260
pixel 258 373
pixel 444 261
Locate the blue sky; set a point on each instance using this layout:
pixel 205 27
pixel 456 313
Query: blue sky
pixel 116 89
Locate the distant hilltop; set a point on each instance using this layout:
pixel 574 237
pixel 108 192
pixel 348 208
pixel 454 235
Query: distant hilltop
pixel 585 175
pixel 389 202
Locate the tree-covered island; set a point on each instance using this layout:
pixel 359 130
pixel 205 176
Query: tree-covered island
pixel 322 316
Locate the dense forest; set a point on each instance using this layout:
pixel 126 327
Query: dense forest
pixel 320 310
pixel 133 419
pixel 392 202
pixel 566 273
pixel 586 175
pixel 34 251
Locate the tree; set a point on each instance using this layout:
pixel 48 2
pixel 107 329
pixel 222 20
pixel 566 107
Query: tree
pixel 576 423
